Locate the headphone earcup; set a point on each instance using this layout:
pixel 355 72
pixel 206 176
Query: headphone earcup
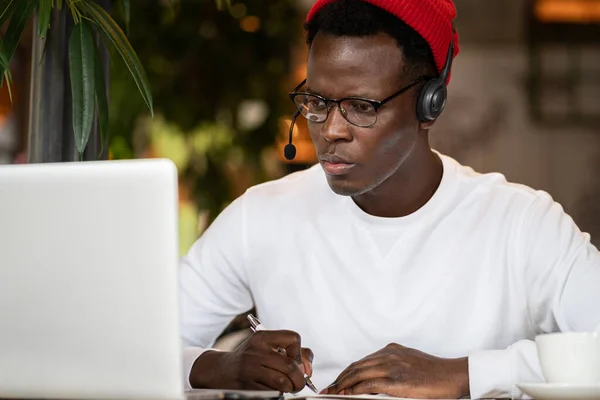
pixel 432 100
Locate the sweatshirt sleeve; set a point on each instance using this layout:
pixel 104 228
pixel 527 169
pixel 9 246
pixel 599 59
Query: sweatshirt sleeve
pixel 561 271
pixel 213 283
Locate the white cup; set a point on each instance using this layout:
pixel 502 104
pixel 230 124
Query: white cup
pixel 570 357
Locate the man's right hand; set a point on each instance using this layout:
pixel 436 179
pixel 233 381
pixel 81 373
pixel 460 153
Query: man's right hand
pixel 256 364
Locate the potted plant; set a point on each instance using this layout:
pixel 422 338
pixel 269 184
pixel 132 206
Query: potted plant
pixel 85 25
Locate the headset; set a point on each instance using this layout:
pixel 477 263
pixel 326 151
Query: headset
pixel 433 96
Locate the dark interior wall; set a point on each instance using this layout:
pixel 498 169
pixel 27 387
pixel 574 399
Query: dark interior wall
pixel 491 21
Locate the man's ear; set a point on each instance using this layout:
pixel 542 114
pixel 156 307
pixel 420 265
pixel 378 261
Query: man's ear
pixel 426 125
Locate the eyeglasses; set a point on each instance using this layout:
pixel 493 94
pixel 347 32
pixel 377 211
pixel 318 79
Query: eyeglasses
pixel 356 110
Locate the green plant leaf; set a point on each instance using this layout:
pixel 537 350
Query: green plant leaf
pixel 119 40
pixel 81 66
pixel 44 14
pixel 59 4
pixel 7 7
pixel 101 99
pixel 8 78
pixel 5 63
pixel 126 6
pixel 18 21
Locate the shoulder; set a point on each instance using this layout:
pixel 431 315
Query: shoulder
pixel 542 234
pixel 495 188
pixel 533 215
pixel 293 191
pixel 279 203
pixel 264 208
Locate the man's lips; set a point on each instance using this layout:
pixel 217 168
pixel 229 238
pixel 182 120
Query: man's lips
pixel 336 168
pixel 335 165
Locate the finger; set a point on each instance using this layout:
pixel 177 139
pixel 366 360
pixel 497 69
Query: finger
pixel 274 380
pixel 286 340
pixel 307 354
pixel 293 348
pixel 306 367
pixel 369 361
pixel 307 359
pixel 285 366
pixel 372 386
pixel 358 375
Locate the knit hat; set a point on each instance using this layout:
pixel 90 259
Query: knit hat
pixel 432 19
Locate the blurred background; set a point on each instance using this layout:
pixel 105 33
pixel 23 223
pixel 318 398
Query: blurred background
pixel 524 98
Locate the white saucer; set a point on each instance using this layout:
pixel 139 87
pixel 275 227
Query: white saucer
pixel 550 391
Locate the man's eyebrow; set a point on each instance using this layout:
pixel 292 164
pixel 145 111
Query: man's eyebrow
pixel 307 89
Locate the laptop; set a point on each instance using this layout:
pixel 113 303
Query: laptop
pixel 88 281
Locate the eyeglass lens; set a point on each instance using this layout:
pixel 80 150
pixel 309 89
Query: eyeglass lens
pixel 357 112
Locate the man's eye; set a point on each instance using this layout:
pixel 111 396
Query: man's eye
pixel 360 106
pixel 316 104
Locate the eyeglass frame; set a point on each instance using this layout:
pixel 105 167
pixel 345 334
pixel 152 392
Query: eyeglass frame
pixel 377 104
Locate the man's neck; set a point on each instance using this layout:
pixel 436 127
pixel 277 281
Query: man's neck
pixel 407 190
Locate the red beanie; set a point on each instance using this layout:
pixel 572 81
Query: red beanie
pixel 432 19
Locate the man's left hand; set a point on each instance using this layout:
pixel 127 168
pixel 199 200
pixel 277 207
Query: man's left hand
pixel 403 372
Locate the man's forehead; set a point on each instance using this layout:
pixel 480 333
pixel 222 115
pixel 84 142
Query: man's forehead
pixel 375 59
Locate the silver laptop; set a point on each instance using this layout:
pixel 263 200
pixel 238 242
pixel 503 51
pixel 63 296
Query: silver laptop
pixel 88 281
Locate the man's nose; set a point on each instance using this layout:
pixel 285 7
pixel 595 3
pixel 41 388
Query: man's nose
pixel 335 127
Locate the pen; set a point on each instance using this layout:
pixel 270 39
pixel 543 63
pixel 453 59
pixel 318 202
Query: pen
pixel 256 325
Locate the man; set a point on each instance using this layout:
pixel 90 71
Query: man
pixel 404 272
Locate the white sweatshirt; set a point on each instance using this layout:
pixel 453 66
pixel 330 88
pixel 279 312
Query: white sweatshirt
pixel 478 271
